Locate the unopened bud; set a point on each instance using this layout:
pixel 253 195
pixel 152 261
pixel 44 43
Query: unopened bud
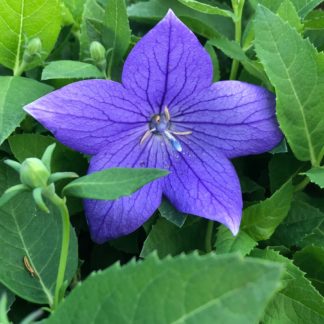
pixel 33 49
pixel 33 173
pixel 98 54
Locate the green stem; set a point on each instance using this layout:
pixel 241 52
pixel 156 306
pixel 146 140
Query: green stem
pixel 238 10
pixel 209 236
pixel 61 205
pixel 20 69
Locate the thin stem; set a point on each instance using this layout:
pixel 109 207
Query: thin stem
pixel 20 70
pixel 302 185
pixel 61 205
pixel 238 9
pixel 209 236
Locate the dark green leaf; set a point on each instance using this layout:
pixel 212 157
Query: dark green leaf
pixel 10 296
pixel 154 289
pixel 315 20
pixel 111 184
pixel 70 70
pixel 216 72
pixel 16 92
pixel 316 175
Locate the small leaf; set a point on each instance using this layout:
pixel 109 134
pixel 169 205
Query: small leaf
pixel 207 9
pixel 25 231
pixel 227 243
pixel 111 184
pixel 168 239
pixel 153 290
pixel 16 92
pixel 70 70
pixel 311 260
pixel 21 19
pixel 170 213
pixel 287 12
pixel 261 220
pixel 316 175
pixel 211 51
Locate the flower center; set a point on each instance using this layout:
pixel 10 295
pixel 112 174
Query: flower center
pixel 160 125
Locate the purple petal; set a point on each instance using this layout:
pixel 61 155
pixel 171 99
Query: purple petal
pixel 88 115
pixel 235 117
pixel 167 65
pixel 111 219
pixel 203 182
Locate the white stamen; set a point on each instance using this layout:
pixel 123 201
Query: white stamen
pixel 182 133
pixel 147 134
pixel 174 142
pixel 167 113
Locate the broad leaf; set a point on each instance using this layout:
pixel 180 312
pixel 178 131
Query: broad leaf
pixel 261 220
pixel 311 260
pixel 21 19
pixel 287 12
pixel 227 243
pixel 112 183
pixel 70 70
pixel 302 220
pixel 25 231
pixel 167 239
pixel 16 92
pixel 152 290
pixel 297 72
pixel 316 175
pixel 298 301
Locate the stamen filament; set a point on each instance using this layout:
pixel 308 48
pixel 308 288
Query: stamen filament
pixel 174 142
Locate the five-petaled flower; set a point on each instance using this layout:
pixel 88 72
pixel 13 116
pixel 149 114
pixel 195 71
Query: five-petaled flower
pixel 167 114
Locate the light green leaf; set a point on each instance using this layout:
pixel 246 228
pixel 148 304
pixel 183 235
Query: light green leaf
pixel 287 12
pixel 261 220
pixel 170 213
pixel 298 301
pixel 117 35
pixel 27 18
pixel 76 8
pixel 230 48
pixel 311 260
pixel 111 184
pixel 16 92
pixel 297 72
pixel 167 239
pixel 207 9
pixel 302 220
pixel 316 175
pixel 227 243
pixel 154 289
pixel 10 297
pixel 70 70
pixel 26 231
pixel 211 51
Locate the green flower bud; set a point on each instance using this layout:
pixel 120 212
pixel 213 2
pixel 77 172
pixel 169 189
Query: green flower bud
pixel 98 54
pixel 33 49
pixel 34 173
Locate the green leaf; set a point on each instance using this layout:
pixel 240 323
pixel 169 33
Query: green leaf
pixel 70 70
pixel 117 35
pixel 316 175
pixel 9 294
pixel 76 8
pixel 314 20
pixel 27 18
pixel 205 25
pixel 298 301
pixel 297 72
pixel 27 232
pixel 166 238
pixel 311 260
pixel 227 243
pixel 153 290
pixel 287 12
pixel 207 9
pixel 16 92
pixel 302 220
pixel 261 220
pixel 170 213
pixel 216 70
pixel 112 183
